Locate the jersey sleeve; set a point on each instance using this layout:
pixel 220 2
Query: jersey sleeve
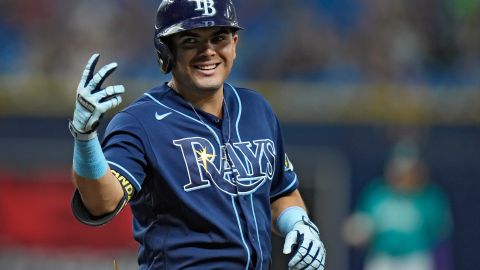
pixel 124 150
pixel 286 180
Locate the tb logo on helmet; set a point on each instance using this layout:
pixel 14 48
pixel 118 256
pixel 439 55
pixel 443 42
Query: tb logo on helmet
pixel 206 6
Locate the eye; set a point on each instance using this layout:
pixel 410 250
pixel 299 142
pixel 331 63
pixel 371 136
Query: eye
pixel 219 38
pixel 189 40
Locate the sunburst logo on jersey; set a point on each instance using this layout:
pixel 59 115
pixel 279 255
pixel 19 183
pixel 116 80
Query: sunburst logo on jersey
pixel 204 157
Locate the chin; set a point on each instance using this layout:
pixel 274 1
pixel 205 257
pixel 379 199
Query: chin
pixel 210 88
pixel 209 85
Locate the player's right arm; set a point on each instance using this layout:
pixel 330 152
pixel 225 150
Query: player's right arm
pixel 98 194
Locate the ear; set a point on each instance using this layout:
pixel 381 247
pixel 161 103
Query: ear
pixel 235 42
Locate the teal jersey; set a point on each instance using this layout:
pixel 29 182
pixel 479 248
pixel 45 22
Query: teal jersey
pixel 405 223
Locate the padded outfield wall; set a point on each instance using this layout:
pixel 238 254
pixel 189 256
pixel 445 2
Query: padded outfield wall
pixel 334 161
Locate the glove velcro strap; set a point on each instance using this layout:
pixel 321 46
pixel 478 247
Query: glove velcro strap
pixel 85 103
pixel 81 136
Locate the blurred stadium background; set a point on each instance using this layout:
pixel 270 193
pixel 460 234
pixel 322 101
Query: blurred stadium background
pixel 346 77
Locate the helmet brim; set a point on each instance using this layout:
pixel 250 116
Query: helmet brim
pixel 195 23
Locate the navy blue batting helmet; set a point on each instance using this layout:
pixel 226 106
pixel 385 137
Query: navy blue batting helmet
pixel 174 16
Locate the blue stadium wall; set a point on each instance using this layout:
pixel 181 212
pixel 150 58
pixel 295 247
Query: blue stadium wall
pixel 452 153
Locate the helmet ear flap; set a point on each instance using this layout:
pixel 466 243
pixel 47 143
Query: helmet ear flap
pixel 165 56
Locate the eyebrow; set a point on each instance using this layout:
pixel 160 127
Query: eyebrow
pixel 193 34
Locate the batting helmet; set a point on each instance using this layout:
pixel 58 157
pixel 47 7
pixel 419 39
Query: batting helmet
pixel 174 16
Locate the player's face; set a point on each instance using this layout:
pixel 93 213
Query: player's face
pixel 204 58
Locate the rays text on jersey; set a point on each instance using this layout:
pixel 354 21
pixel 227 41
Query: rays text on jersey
pixel 240 168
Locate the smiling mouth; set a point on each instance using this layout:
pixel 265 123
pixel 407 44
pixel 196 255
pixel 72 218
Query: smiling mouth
pixel 206 67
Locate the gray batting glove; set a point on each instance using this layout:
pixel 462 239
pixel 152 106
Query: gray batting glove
pixel 308 251
pixel 92 101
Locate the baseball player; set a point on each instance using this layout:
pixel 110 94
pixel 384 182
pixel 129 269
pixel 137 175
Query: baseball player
pixel 200 161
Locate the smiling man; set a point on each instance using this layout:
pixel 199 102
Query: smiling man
pixel 201 162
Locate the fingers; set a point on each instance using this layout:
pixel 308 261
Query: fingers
pixel 111 103
pixel 109 92
pixel 101 75
pixel 315 262
pixel 290 241
pixel 89 68
pixel 322 258
pixel 310 255
pixel 302 257
pixel 110 97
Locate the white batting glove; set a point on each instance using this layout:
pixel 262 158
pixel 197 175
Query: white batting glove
pixel 92 101
pixel 303 241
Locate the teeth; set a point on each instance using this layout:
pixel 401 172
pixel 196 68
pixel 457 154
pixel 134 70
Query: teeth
pixel 207 67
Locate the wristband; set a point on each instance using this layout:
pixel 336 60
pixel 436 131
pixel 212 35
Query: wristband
pixel 289 217
pixel 88 159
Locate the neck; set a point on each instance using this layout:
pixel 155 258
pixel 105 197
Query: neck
pixel 210 102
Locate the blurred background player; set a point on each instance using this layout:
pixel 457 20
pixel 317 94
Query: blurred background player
pixel 402 217
pixel 201 162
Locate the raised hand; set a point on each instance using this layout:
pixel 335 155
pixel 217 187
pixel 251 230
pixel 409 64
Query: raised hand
pixel 92 101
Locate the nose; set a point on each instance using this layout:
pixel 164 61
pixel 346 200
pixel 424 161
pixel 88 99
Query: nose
pixel 207 49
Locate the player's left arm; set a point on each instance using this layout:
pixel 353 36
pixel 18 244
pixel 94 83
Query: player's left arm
pixel 302 237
